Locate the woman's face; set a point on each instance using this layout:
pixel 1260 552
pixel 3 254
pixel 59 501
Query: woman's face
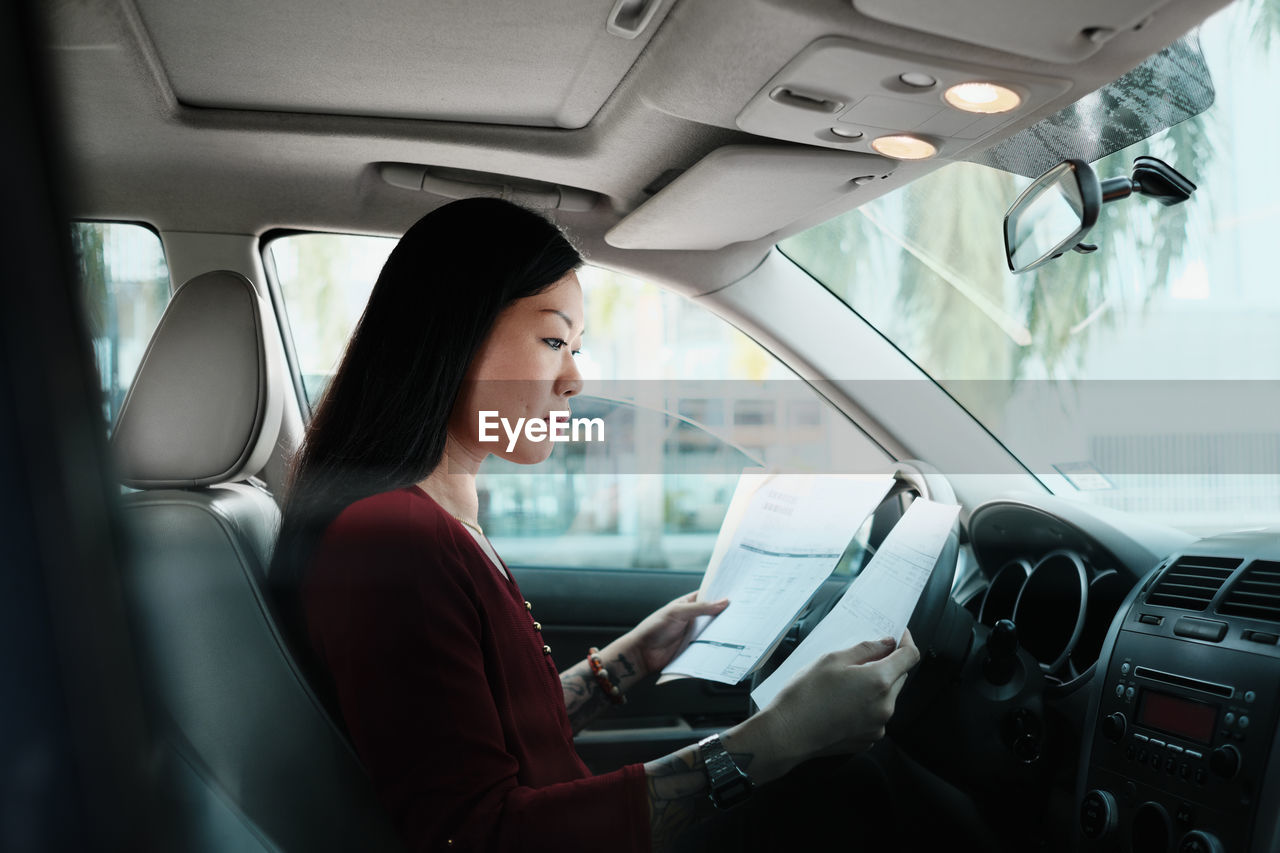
pixel 524 370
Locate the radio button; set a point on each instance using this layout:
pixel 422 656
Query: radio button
pixel 1113 727
pixel 1225 761
pixel 1184 772
pixel 1173 747
pixel 1169 764
pixel 1158 744
pixel 1193 754
pixel 1140 738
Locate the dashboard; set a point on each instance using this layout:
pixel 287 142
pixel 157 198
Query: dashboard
pixel 1152 662
pixel 1059 571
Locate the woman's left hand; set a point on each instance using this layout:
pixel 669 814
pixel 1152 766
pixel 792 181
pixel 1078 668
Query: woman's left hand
pixel 656 640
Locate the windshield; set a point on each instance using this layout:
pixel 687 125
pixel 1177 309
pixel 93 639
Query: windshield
pixel 1141 376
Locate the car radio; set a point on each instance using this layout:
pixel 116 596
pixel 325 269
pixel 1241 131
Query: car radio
pixel 1184 729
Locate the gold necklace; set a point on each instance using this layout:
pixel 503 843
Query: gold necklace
pixel 474 527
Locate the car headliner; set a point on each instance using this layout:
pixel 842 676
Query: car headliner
pixel 237 117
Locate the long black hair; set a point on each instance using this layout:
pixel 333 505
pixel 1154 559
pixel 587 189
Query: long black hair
pixel 382 422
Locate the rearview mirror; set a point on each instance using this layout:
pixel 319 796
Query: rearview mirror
pixel 1058 209
pixel 1052 215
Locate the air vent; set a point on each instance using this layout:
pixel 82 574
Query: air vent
pixel 1192 582
pixel 1257 594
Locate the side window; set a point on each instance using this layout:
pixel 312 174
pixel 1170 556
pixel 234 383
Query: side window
pixel 686 401
pixel 126 287
pixel 325 280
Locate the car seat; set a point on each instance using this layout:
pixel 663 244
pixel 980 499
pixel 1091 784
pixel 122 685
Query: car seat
pixel 251 759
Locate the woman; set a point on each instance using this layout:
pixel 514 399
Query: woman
pixel 434 661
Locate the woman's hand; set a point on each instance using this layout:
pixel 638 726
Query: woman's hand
pixel 842 701
pixel 655 641
pixel 644 649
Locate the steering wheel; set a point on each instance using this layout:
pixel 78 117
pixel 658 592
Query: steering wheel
pixel 939 626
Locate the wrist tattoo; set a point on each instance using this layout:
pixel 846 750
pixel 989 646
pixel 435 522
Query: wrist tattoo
pixel 625 667
pixel 583 700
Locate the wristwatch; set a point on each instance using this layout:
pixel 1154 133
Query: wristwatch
pixel 726 783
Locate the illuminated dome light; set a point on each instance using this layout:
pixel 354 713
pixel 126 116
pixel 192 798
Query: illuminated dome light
pixel 901 146
pixel 986 98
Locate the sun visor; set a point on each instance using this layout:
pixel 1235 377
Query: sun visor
pixel 1057 32
pixel 744 192
pixel 1169 87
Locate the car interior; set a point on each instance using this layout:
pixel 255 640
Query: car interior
pixel 802 223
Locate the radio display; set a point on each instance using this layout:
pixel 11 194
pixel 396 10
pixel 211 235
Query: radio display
pixel 1177 716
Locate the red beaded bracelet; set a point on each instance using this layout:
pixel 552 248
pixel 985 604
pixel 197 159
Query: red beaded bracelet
pixel 601 673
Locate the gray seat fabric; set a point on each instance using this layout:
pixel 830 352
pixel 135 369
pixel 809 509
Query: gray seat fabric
pixel 252 759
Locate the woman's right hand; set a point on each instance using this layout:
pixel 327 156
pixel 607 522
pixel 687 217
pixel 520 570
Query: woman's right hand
pixel 841 702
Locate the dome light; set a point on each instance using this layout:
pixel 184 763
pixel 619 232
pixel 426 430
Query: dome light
pixel 901 146
pixel 986 98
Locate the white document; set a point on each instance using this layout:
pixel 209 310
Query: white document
pixel 782 537
pixel 880 601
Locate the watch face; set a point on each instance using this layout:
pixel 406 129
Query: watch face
pixel 731 791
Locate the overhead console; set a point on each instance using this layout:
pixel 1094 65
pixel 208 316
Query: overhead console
pixel 845 94
pixel 1181 753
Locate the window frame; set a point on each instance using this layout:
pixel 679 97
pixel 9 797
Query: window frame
pixel 276 294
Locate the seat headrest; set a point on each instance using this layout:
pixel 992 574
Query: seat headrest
pixel 205 405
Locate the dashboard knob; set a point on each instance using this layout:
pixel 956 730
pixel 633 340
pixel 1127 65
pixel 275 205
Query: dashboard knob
pixel 1199 841
pixel 1097 814
pixel 1003 641
pixel 1152 831
pixel 1113 727
pixel 1225 761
